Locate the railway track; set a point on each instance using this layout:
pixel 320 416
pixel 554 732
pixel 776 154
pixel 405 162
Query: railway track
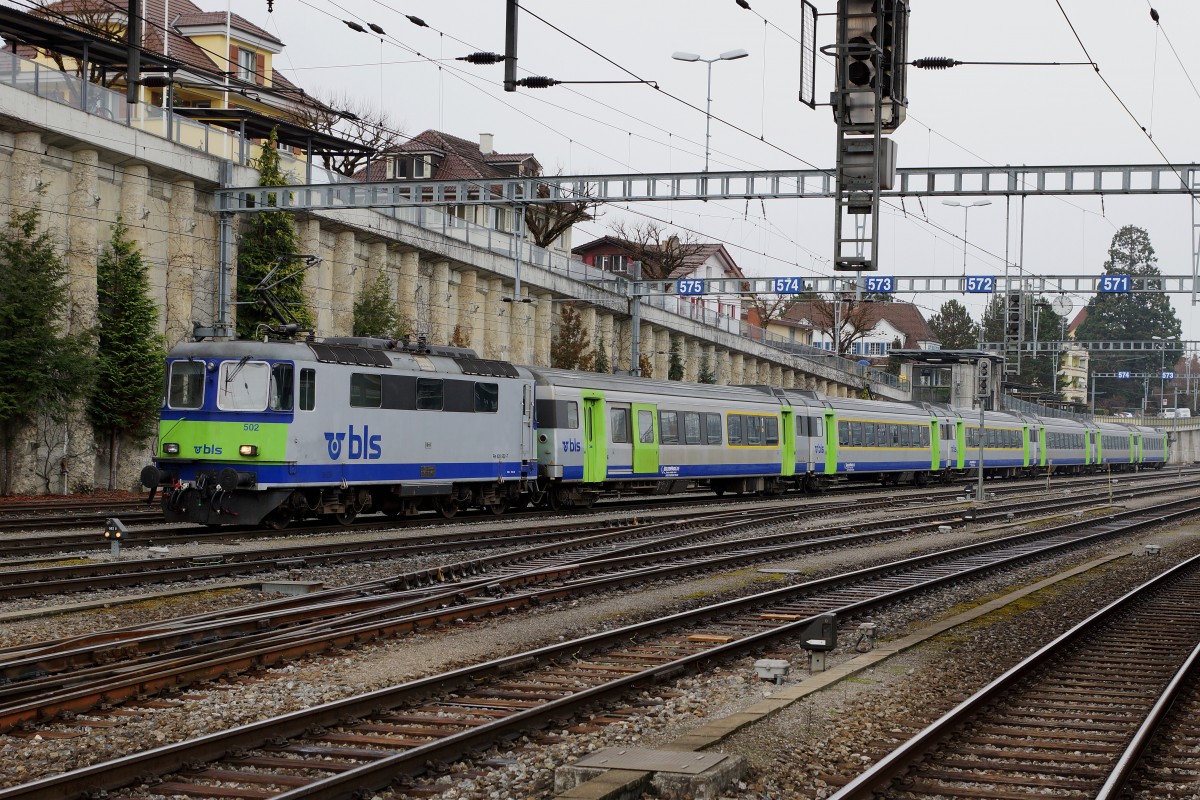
pixel 140 517
pixel 1073 719
pixel 364 743
pixel 44 581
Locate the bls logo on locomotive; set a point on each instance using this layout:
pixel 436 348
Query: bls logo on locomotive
pixel 362 445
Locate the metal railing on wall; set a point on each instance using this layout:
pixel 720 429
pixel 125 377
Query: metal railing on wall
pixel 52 84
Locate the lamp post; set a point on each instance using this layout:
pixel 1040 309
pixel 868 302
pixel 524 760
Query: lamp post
pixel 966 207
pixel 726 56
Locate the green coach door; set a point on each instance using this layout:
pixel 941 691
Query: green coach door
pixel 595 438
pixel 645 439
pixel 789 442
pixel 831 441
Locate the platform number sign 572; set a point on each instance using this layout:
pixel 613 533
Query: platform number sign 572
pixel 690 286
pixel 1114 284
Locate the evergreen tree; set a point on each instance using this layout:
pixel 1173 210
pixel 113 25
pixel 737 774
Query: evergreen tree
pixel 675 368
pixel 601 363
pixel 374 312
pixel 706 372
pixel 568 349
pixel 646 366
pixel 42 370
pixel 269 242
pixel 129 358
pixel 1135 316
pixel 953 326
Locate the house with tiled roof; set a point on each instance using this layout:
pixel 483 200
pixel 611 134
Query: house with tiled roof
pixel 1073 365
pixel 705 261
pixel 438 156
pixel 220 48
pixel 873 328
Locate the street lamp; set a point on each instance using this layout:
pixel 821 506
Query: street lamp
pixel 966 207
pixel 726 56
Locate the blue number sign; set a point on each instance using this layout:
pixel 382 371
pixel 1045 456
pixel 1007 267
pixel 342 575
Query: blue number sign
pixel 981 284
pixel 787 286
pixel 1168 375
pixel 880 284
pixel 1114 284
pixel 690 286
pixel 1123 374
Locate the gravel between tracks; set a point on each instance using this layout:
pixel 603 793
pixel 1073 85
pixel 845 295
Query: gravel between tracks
pixel 792 755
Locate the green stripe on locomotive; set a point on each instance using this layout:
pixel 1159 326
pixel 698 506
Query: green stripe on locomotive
pixel 220 441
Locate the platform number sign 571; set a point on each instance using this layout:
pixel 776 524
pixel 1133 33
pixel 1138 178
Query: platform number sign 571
pixel 690 286
pixel 1114 284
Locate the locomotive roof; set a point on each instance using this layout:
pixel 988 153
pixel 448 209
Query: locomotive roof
pixel 347 352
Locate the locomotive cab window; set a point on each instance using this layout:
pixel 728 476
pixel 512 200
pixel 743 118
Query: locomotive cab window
pixel 243 385
pixel 429 394
pixel 282 387
pixel 186 384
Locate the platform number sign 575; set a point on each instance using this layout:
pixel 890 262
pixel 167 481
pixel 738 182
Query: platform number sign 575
pixel 690 286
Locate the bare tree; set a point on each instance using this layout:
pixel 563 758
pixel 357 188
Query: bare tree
pixel 546 223
pixel 660 253
pixel 96 17
pixel 772 306
pixel 339 114
pixel 846 321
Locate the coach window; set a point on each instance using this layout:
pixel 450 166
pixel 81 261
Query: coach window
pixel 772 431
pixel 429 394
pixel 366 391
pixel 893 435
pixel 487 398
pixel 668 427
pixel 573 415
pixel 754 430
pixel 281 387
pixel 691 427
pixel 734 423
pixel 924 437
pixel 905 436
pixel 868 434
pixel 856 434
pixel 243 385
pixel 646 427
pixel 186 389
pixel 619 422
pixel 308 389
pixel 844 434
pixel 714 428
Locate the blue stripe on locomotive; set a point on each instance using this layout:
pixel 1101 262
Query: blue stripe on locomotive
pixel 306 474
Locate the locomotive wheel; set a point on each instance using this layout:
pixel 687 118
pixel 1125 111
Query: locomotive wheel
pixel 498 508
pixel 277 521
pixel 346 517
pixel 448 507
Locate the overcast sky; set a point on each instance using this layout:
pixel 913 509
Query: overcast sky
pixel 967 116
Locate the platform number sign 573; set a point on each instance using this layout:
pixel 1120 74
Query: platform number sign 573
pixel 880 284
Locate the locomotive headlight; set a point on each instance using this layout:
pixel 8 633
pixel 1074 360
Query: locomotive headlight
pixel 248 450
pixel 171 449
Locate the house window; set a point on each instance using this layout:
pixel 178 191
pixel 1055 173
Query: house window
pixel 620 264
pixel 247 64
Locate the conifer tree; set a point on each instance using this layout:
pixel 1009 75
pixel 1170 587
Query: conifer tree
pixel 374 312
pixel 269 242
pixel 675 362
pixel 129 357
pixel 601 363
pixel 706 372
pixel 43 370
pixel 569 347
